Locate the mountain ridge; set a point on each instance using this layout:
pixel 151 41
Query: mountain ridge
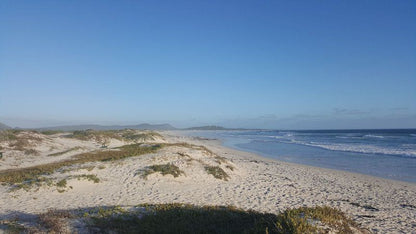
pixel 143 126
pixel 4 126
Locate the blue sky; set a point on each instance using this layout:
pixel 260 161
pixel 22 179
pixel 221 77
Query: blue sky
pixel 265 64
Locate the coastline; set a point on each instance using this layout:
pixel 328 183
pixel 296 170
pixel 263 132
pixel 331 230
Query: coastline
pixel 390 167
pixel 255 182
pixel 254 155
pixel 374 203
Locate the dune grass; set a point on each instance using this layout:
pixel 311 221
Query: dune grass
pixel 19 139
pixel 183 218
pixel 62 183
pixel 64 152
pixel 89 177
pixel 105 136
pixel 51 132
pixel 164 169
pixel 186 218
pixel 142 136
pixel 102 137
pixel 31 152
pixel 23 175
pixel 217 172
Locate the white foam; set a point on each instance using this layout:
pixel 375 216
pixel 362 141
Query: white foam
pixel 367 149
pixel 373 136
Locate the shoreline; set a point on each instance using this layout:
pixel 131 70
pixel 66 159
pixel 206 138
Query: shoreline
pixel 254 182
pixel 264 156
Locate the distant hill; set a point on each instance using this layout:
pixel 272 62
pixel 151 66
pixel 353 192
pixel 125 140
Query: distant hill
pixel 4 126
pixel 213 127
pixel 111 127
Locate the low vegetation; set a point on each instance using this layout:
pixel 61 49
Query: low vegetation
pixel 104 137
pixel 185 218
pixel 31 152
pixel 164 169
pixel 25 175
pixel 62 183
pixel 51 132
pixel 64 152
pixel 142 136
pixel 9 135
pixel 217 172
pixel 54 221
pixel 19 140
pixel 89 177
pixel 314 220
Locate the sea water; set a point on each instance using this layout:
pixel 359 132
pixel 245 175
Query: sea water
pixel 388 153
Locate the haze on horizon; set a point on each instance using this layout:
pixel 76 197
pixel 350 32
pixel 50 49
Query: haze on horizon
pixel 248 64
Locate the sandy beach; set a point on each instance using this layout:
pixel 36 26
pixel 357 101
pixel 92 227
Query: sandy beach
pixel 251 182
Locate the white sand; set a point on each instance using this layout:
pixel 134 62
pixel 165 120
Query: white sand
pixel 380 205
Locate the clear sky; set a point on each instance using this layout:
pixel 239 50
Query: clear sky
pixel 266 64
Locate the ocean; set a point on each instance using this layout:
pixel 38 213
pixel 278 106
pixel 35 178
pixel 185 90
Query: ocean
pixel 386 153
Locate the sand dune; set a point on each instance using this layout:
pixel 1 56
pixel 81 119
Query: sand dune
pixel 248 181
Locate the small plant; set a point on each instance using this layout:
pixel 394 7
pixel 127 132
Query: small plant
pixel 90 177
pixel 230 167
pixel 220 159
pixel 54 221
pixel 12 227
pixel 304 220
pixel 164 169
pixel 62 183
pixel 217 172
pixel 31 152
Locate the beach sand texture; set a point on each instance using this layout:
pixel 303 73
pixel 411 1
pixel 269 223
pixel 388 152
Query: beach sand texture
pixel 251 182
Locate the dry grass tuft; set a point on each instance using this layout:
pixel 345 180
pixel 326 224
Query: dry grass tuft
pixel 55 221
pixel 89 177
pixel 22 175
pixel 314 220
pixel 217 172
pixel 164 169
pixel 31 152
pixel 64 152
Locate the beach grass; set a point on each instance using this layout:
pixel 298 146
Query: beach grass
pixel 104 136
pixel 22 175
pixel 64 152
pixel 164 169
pixel 217 172
pixel 19 140
pixel 51 132
pixel 89 177
pixel 187 218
